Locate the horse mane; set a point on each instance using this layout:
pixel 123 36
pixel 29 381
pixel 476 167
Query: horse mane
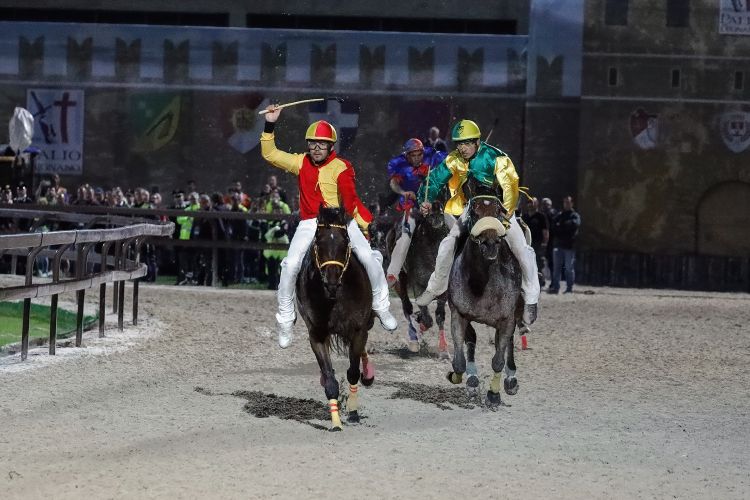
pixel 472 187
pixel 331 215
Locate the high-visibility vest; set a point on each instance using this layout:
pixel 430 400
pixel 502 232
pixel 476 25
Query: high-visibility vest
pixel 186 223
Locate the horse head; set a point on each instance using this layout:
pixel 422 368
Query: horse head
pixel 435 217
pixel 486 210
pixel 331 249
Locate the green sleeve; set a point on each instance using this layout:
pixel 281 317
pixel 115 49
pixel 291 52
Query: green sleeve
pixel 436 180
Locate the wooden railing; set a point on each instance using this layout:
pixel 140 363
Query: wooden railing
pixel 114 250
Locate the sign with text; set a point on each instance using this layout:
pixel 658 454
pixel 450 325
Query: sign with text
pixel 734 17
pixel 58 129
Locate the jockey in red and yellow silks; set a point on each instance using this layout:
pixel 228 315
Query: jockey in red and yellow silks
pixel 326 179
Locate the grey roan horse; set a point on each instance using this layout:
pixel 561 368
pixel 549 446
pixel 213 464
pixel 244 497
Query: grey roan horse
pixel 485 287
pixel 420 263
pixel 335 300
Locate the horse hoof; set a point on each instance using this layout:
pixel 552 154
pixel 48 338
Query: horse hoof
pixel 335 429
pixel 511 386
pixel 367 382
pixel 454 378
pixel 494 399
pixel 423 328
pixel 353 417
pixel 413 346
pixel 472 386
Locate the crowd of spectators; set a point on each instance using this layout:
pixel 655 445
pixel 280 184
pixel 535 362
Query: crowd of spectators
pixel 189 264
pixel 553 238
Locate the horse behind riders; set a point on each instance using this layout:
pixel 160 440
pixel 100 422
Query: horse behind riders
pixel 429 231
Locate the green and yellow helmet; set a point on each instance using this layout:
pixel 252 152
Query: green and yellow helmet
pixel 464 130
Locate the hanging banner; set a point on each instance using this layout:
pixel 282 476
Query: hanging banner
pixel 734 17
pixel 58 130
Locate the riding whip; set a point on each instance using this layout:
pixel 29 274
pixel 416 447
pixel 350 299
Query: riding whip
pixel 427 184
pixel 494 124
pixel 305 101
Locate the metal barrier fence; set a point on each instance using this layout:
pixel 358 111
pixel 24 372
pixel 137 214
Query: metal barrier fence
pixel 114 250
pixel 682 272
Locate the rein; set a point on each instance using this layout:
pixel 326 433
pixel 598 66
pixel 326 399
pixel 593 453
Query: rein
pixel 343 265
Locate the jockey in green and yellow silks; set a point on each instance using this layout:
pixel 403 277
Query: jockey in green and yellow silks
pixel 488 165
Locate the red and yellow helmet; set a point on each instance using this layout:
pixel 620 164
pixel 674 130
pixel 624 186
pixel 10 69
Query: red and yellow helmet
pixel 321 130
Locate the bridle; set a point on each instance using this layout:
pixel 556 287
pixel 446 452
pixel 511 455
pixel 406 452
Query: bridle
pixel 343 265
pixel 488 198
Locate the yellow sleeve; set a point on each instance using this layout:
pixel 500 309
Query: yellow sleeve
pixel 285 161
pixel 507 177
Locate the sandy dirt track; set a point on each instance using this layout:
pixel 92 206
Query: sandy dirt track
pixel 624 394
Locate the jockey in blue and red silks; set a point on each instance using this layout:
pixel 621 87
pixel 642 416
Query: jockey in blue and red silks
pixel 407 171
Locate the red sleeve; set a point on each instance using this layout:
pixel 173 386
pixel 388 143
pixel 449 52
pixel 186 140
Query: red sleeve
pixel 349 199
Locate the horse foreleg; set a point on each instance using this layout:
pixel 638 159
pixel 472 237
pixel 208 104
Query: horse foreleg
pixel 424 318
pixel 472 382
pixel 440 318
pixel 328 380
pixel 408 309
pixel 368 370
pixel 510 383
pixel 458 331
pixel 356 348
pixel 503 346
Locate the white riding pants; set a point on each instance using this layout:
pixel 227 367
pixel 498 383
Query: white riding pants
pixel 401 249
pixel 371 259
pixel 525 255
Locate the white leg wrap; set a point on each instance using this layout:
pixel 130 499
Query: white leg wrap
pixel 398 256
pixel 374 267
pixel 290 267
pixel 527 259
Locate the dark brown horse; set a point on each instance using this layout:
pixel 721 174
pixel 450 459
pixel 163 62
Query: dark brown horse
pixel 335 300
pixel 429 231
pixel 485 287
